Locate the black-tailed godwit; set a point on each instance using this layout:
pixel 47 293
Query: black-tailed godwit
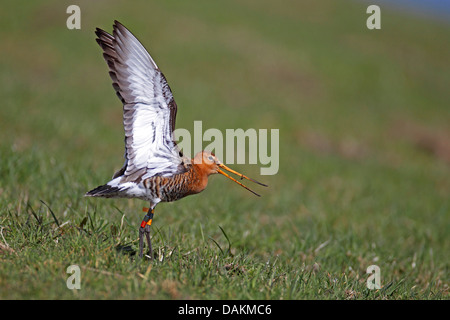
pixel 155 170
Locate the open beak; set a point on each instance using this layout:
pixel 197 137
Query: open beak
pixel 239 174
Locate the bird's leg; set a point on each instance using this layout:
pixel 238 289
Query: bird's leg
pixel 145 229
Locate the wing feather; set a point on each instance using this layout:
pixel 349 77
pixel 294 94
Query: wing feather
pixel 149 109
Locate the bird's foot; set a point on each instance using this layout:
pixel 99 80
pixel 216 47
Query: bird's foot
pixel 145 231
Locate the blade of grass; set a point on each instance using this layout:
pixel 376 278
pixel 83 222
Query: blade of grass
pixel 51 211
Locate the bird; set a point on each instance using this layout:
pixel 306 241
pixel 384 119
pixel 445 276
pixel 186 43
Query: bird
pixel 155 169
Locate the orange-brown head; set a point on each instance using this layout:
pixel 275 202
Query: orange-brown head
pixel 208 164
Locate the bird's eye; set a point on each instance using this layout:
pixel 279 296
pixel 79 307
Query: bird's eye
pixel 210 158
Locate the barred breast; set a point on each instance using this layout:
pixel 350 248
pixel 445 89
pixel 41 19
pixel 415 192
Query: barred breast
pixel 168 189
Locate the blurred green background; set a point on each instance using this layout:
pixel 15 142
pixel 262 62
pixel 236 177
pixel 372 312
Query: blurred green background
pixel 364 150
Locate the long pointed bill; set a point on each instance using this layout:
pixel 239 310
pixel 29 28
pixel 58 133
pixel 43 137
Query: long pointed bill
pixel 242 177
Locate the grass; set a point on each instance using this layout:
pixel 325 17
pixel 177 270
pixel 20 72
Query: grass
pixel 364 154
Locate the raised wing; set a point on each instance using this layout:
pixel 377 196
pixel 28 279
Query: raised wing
pixel 149 109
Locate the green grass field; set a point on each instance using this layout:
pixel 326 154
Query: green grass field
pixel 364 175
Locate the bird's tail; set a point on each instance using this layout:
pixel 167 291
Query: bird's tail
pixel 105 191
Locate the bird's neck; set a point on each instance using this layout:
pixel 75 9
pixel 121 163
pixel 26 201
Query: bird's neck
pixel 199 177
